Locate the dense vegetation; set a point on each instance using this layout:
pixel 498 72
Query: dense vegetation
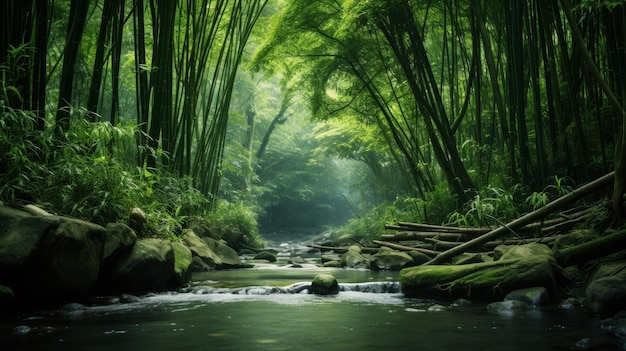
pixel 303 113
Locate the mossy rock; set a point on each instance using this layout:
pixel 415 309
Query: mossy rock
pixel 229 257
pixel 390 259
pixel 480 281
pixel 182 265
pixel 119 241
pixel 49 258
pixel 148 267
pixel 199 248
pixel 325 284
pixel 354 259
pixel 606 291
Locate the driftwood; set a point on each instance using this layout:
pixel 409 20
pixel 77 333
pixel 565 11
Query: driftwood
pixel 524 220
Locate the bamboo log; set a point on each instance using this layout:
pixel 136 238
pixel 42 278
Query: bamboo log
pixel 406 248
pixel 436 228
pixel 524 220
pixel 440 244
pixel 407 236
pixel 593 249
pixel 342 248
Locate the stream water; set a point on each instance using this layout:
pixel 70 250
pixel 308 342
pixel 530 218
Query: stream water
pixel 265 309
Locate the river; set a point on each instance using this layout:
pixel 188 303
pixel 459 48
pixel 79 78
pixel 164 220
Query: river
pixel 251 310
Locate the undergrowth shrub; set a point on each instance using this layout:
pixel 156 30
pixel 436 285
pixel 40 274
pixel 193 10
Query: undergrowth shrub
pixel 91 173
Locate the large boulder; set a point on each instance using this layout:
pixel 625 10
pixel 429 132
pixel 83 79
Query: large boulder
pixel 606 291
pixel 148 267
pixel 486 281
pixel 199 248
pixel 387 259
pixel 48 258
pixel 229 257
pixel 120 240
pixel 182 264
pixel 354 259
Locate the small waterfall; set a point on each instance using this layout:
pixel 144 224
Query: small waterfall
pixel 297 288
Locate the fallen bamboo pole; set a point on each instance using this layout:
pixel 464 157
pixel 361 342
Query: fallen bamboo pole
pixel 408 236
pixel 342 248
pixel 524 220
pixel 406 248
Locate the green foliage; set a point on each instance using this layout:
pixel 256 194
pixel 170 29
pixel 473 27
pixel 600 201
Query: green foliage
pixel 82 176
pixel 490 206
pixel 539 199
pixel 236 223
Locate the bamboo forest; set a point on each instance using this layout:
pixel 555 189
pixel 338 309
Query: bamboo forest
pixel 317 171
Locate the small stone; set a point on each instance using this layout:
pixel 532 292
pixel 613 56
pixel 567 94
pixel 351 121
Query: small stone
pixel 325 284
pixel 436 308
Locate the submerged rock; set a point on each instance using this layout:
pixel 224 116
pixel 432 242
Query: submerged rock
pixel 390 259
pixel 507 307
pixel 534 296
pixel 325 284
